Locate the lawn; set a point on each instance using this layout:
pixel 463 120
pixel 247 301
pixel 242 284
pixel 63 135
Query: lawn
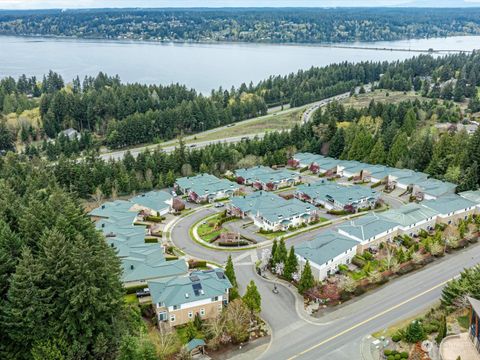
pixel 272 235
pixel 131 299
pixel 205 229
pixel 183 336
pixel 463 321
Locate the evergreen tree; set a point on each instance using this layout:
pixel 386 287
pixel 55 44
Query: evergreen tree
pixel 307 280
pixel 291 265
pixel 281 253
pixel 470 180
pixel 272 254
pixel 378 154
pixel 252 298
pixel 398 150
pixel 230 272
pixel 410 122
pixel 7 141
pixel 415 332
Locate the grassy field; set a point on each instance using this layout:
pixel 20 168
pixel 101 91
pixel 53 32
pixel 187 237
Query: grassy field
pixel 274 122
pixel 206 230
pixel 394 97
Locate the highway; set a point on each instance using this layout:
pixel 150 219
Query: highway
pixel 338 334
pixel 169 146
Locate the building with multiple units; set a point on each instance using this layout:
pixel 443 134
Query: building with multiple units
pixel 333 196
pixel 178 299
pixel 370 231
pixel 272 212
pixel 205 188
pixel 325 253
pixel 451 208
pixel 140 261
pixel 412 218
pixel 414 182
pixel 265 178
pixel 473 196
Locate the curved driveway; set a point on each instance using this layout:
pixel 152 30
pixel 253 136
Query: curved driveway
pixel 341 331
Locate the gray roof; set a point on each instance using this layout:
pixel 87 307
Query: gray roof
pixel 449 203
pixel 270 206
pixel 344 194
pixel 154 200
pixel 196 286
pixel 265 174
pixel 325 247
pixel 367 227
pixel 194 343
pixel 205 184
pixel 409 214
pixel 308 158
pixel 475 304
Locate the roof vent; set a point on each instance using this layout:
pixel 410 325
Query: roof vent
pixel 103 225
pixel 103 206
pixel 132 267
pixel 186 295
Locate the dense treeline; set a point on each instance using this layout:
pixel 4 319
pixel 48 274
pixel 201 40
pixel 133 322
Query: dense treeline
pixel 248 25
pixel 120 115
pixel 396 135
pixel 60 291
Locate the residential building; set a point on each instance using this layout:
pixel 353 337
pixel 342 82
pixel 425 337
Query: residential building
pixel 265 178
pixel 474 196
pixel 305 160
pixel 412 218
pixel 474 323
pixel 272 212
pixel 205 188
pixel 141 261
pixel 451 208
pixel 404 178
pixel 178 299
pixel 333 196
pixel 325 253
pixel 430 189
pixel 70 133
pixel 157 203
pixel 370 231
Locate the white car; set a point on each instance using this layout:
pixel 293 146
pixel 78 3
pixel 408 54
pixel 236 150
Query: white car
pixel 219 204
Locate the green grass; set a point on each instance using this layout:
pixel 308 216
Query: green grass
pixel 395 97
pixel 205 229
pixel 131 299
pixel 272 235
pixel 463 321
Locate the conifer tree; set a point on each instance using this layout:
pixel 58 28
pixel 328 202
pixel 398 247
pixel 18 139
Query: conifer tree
pixel 291 264
pixel 306 280
pixel 252 298
pixel 230 272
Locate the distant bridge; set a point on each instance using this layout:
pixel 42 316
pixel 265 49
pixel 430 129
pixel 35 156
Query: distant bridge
pixel 377 48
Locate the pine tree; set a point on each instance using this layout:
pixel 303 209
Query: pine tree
pixel 378 154
pixel 272 255
pixel 415 332
pixel 230 272
pixel 306 280
pixel 252 298
pixel 470 179
pixel 410 122
pixel 291 264
pixel 398 150
pixel 281 253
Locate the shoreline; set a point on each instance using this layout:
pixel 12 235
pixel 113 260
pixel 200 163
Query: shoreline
pixel 355 45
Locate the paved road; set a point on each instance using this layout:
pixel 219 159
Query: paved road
pixel 341 331
pixel 169 146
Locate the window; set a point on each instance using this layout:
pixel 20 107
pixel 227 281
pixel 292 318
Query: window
pixel 215 298
pixel 190 314
pixel 172 318
pixel 176 307
pixel 202 312
pixel 162 316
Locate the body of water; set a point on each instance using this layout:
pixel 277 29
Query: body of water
pixel 201 66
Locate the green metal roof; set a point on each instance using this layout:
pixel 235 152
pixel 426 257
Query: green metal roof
pixel 154 200
pixel 308 158
pixel 436 187
pixel 344 194
pixel 472 195
pixel 205 184
pixel 366 227
pixel 409 214
pixel 449 203
pixel 184 289
pixel 325 247
pixel 270 206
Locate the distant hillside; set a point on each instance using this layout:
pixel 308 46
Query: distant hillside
pixel 271 25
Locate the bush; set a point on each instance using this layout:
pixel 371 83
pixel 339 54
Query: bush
pixel 396 337
pixel 192 264
pixel 338 212
pixel 134 289
pixel 404 355
pixel 391 357
pixel 358 261
pixel 387 352
pixel 153 218
pixel 233 244
pixel 151 240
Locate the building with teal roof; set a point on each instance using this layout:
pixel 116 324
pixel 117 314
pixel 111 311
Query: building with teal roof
pixel 432 189
pixel 451 208
pixel 472 195
pixel 156 203
pixel 272 212
pixel 331 195
pixel 326 252
pixel 178 299
pixel 412 218
pixel 370 230
pixel 205 188
pixel 307 159
pixel 266 178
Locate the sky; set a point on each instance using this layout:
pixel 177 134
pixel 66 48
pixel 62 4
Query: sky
pixel 72 4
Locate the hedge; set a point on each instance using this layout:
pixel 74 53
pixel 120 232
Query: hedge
pixel 338 212
pixel 134 289
pixel 151 240
pixel 232 244
pixel 192 264
pixel 153 218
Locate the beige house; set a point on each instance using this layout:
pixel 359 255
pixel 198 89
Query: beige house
pixel 177 300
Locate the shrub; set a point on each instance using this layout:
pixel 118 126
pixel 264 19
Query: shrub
pixel 391 357
pixel 233 243
pixel 396 337
pixel 151 240
pixel 192 264
pixel 153 218
pixel 134 289
pixel 387 352
pixel 358 261
pixel 404 355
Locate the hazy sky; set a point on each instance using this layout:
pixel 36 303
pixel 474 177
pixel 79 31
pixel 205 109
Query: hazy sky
pixel 46 4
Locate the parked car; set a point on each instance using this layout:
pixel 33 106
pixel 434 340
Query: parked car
pixel 143 293
pixel 219 204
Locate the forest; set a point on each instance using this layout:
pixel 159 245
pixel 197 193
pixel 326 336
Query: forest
pixel 114 114
pixel 291 25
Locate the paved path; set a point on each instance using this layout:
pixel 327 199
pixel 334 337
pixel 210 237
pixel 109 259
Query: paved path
pixel 339 334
